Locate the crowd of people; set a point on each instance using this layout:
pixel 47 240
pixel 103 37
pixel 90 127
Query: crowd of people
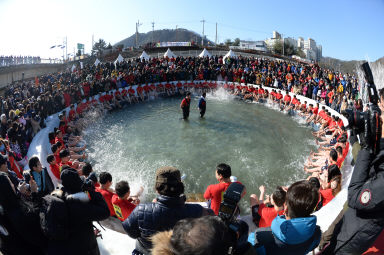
pixel 99 89
pixel 18 60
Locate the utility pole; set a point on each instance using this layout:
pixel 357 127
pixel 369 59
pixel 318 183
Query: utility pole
pixel 216 35
pixel 137 33
pixel 153 30
pixel 93 41
pixel 202 39
pixel 176 33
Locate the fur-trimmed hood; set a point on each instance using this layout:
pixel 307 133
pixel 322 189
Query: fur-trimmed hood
pixel 162 243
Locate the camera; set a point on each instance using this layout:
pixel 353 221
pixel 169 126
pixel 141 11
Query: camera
pixel 367 125
pixel 228 212
pixel 89 182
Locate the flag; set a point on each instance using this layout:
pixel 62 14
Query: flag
pixel 36 81
pixel 53 46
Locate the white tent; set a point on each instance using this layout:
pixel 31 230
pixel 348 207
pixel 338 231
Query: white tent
pixel 205 53
pixel 230 54
pixel 169 54
pixel 97 62
pixel 119 59
pixel 144 55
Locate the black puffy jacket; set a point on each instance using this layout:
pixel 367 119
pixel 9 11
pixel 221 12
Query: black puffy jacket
pixel 82 240
pixel 364 219
pixel 148 219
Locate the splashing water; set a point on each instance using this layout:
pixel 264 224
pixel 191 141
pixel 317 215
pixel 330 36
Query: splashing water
pixel 260 144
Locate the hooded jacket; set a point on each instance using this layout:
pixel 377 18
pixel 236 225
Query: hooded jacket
pixel 296 236
pixel 148 219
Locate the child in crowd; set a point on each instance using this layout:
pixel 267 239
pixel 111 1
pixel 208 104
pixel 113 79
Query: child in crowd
pixel 122 202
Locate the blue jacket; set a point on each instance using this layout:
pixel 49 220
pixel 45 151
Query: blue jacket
pixel 148 219
pixel 296 236
pixel 202 103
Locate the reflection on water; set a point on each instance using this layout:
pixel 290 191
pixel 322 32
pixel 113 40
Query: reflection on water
pixel 263 146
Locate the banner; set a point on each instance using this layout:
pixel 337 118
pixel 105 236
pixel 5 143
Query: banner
pixel 172 44
pixel 80 46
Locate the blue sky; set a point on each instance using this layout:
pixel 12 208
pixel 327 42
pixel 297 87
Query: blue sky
pixel 347 30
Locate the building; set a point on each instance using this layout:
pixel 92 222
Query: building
pixel 312 51
pixel 319 52
pixel 300 43
pixel 276 35
pixel 253 45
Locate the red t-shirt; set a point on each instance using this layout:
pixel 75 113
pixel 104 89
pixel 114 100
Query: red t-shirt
pixel 279 96
pixel 123 208
pixel 215 193
pixel 108 199
pixel 268 214
pixel 139 90
pixel 71 114
pixel 131 91
pixel 287 98
pixel 55 170
pixel 327 195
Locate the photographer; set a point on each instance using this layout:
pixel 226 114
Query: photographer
pixel 363 221
pixel 82 210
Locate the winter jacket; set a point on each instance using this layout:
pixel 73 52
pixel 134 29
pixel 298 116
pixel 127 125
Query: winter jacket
pixel 364 219
pixel 82 211
pixel 20 231
pixel 43 181
pixel 296 236
pixel 148 219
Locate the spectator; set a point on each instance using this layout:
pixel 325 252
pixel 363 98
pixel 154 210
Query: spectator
pixel 106 191
pixel 55 169
pixel 296 233
pixel 187 238
pixel 82 211
pixel 122 203
pixel 161 215
pixel 268 214
pixel 214 192
pixel 40 176
pixel 19 220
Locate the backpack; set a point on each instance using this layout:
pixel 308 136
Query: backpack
pixel 54 220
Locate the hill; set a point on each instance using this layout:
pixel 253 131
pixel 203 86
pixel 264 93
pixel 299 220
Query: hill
pixel 345 66
pixel 165 35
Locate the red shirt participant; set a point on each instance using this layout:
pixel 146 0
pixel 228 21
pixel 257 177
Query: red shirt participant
pixel 214 192
pixel 139 89
pixel 122 203
pixel 55 169
pixel 106 191
pixel 268 214
pixel 287 98
pixel 279 96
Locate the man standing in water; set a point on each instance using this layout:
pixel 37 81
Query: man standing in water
pixel 202 105
pixel 185 105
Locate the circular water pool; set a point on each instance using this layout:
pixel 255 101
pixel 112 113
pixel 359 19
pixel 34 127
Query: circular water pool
pixel 263 146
